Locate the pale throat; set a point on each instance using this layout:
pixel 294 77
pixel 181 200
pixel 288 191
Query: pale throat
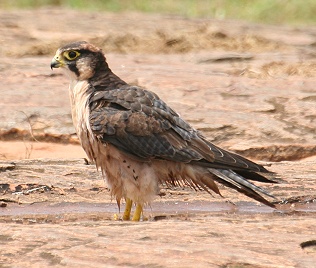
pixel 79 105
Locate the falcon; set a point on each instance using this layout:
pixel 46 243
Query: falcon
pixel 139 142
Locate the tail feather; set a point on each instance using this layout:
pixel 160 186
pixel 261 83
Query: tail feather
pixel 252 176
pixel 241 184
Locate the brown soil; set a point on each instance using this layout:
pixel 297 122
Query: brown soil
pixel 248 88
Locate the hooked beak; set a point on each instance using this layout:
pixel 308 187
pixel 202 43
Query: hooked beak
pixel 56 63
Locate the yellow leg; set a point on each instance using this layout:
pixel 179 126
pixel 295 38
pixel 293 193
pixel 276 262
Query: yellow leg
pixel 128 208
pixel 138 212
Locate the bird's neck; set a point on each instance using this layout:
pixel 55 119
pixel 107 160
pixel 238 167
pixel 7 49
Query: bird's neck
pixel 105 79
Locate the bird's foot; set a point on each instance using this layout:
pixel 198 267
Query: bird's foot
pixel 138 213
pixel 128 208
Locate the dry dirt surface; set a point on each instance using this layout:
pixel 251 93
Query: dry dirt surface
pixel 248 88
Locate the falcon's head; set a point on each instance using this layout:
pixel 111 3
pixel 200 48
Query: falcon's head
pixel 80 59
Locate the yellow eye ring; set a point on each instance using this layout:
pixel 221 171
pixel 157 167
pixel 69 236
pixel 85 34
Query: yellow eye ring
pixel 71 55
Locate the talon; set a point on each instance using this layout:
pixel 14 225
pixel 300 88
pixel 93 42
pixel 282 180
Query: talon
pixel 116 217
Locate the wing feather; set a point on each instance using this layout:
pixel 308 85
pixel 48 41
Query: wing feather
pixel 141 124
pixel 137 122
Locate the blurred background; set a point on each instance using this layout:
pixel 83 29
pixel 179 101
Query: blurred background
pixel 241 71
pixel 294 12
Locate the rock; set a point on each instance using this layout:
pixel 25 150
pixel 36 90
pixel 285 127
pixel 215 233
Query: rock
pixel 59 226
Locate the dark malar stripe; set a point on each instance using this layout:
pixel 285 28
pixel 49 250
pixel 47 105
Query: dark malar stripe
pixel 73 68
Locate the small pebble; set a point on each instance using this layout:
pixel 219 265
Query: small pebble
pixel 3 204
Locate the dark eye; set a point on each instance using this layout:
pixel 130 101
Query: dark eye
pixel 71 55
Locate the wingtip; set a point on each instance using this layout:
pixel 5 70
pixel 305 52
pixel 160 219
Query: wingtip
pixel 242 185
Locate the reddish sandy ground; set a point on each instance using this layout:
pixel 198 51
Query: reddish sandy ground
pixel 248 88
